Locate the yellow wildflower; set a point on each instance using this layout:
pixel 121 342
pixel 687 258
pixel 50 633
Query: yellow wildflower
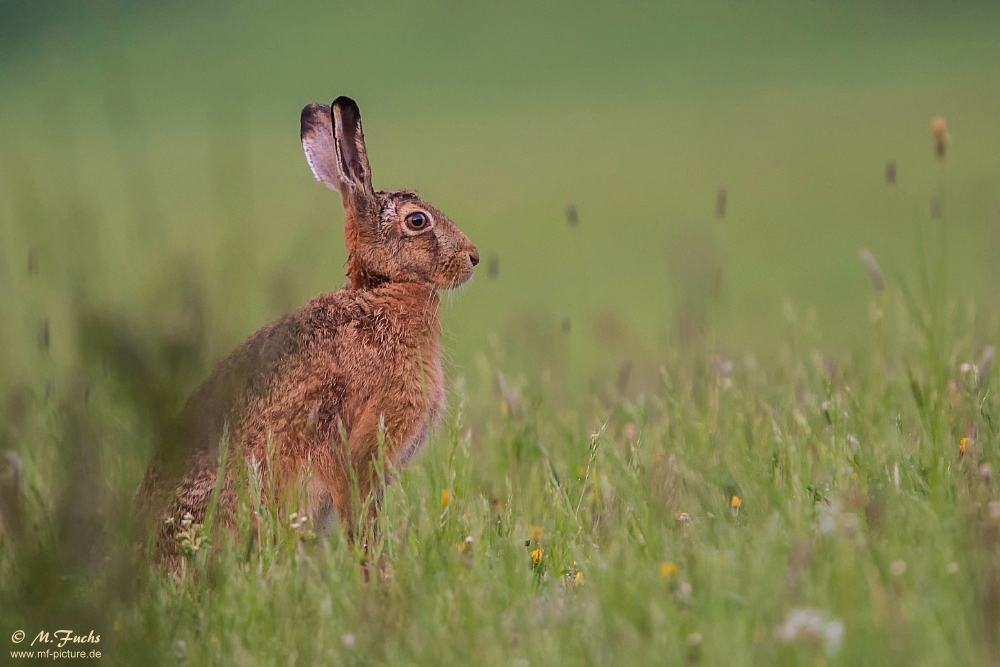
pixel 961 447
pixel 444 498
pixel 668 569
pixel 735 503
pixel 578 578
pixel 536 557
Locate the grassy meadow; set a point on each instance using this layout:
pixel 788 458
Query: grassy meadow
pixel 686 424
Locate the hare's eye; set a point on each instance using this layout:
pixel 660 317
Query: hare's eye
pixel 417 221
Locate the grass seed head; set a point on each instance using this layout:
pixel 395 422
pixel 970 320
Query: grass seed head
pixel 32 261
pixel 684 590
pixel 510 398
pixel 571 215
pixel 939 130
pixel 874 272
pixel 984 367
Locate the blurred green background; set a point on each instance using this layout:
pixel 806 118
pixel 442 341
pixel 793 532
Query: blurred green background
pixel 147 144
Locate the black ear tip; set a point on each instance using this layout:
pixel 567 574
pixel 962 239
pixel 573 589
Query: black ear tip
pixel 346 103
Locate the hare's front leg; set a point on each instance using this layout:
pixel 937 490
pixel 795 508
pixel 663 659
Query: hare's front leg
pixel 320 507
pixel 350 465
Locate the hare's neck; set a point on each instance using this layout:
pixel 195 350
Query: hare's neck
pixel 415 307
pixel 360 278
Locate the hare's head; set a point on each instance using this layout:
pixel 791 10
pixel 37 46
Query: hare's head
pixel 391 236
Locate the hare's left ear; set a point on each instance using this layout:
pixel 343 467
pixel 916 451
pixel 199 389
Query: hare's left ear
pixel 335 148
pixel 317 143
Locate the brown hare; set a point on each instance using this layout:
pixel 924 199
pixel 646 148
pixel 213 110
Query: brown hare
pixel 322 381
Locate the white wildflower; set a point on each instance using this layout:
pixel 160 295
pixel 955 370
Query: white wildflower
pixel 809 624
pixel 828 517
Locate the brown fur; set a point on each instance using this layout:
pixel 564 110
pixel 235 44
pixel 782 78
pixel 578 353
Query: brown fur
pixel 364 355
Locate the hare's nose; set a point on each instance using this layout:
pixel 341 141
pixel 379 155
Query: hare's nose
pixel 474 256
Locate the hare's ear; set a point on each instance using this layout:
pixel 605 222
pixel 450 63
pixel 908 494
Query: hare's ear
pixel 352 156
pixel 335 149
pixel 317 143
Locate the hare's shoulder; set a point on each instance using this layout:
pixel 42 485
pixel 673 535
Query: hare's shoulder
pixel 286 340
pixel 340 348
pixel 385 316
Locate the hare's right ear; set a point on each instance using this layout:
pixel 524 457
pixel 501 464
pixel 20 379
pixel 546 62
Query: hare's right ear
pixel 335 149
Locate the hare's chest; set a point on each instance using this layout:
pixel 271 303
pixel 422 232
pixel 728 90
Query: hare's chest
pixel 418 403
pixel 392 362
pixel 433 388
pixel 411 446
